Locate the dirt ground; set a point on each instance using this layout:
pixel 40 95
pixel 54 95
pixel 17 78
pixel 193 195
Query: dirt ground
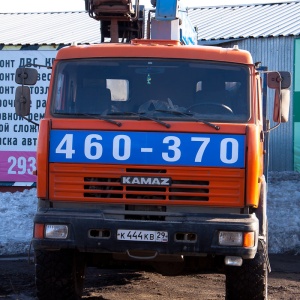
pixel 17 282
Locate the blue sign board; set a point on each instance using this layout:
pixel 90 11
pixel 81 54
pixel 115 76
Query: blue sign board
pixel 148 148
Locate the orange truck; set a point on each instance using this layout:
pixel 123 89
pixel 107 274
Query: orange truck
pixel 152 151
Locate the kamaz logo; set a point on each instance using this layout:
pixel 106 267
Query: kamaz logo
pixel 146 180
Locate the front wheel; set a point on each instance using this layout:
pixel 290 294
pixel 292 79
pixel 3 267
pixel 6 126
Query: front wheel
pixel 250 281
pixel 59 275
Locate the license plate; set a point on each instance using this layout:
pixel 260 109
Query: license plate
pixel 142 235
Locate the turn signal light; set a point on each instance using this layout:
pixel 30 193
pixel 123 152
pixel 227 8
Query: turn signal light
pixel 248 239
pixel 38 232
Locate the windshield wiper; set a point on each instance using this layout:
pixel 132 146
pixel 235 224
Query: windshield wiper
pixel 97 117
pixel 141 116
pixel 191 116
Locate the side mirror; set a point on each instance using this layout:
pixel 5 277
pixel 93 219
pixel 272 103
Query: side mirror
pixel 280 81
pixel 281 106
pixel 26 76
pixel 275 78
pixel 22 101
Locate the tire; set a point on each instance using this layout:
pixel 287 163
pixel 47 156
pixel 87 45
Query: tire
pixel 250 281
pixel 59 275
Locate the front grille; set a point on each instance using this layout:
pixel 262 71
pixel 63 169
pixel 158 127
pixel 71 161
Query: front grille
pixel 180 190
pixel 97 183
pixel 102 187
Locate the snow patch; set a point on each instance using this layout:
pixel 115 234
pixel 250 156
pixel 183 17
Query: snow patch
pixel 283 212
pixel 16 213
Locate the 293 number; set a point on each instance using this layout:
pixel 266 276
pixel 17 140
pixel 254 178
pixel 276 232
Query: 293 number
pixel 21 165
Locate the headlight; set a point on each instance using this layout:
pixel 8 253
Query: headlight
pixel 54 231
pixel 230 238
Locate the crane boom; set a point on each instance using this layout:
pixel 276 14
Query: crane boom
pixel 123 20
pixel 120 19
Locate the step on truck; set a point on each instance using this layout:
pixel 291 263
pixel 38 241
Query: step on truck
pixel 152 150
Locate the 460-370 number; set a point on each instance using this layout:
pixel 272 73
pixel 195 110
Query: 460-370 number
pixel 161 148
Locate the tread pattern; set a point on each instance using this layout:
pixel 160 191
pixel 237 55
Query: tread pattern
pixel 59 275
pixel 248 282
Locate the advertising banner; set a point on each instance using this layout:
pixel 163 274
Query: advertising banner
pixel 18 137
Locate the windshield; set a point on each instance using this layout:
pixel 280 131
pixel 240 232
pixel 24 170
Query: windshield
pixel 166 89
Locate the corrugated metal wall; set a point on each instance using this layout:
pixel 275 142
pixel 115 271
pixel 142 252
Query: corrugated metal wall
pixel 277 53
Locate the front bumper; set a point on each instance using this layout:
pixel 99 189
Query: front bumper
pixel 205 228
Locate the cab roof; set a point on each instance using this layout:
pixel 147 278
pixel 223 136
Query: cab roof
pixel 155 49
